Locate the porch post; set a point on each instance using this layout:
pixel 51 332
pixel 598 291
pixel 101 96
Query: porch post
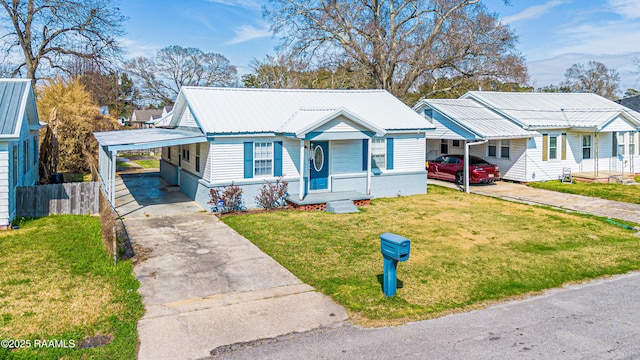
pixel 302 166
pixel 112 191
pixel 369 166
pixel 465 169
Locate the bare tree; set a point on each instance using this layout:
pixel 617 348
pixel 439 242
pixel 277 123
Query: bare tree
pixel 594 78
pixel 48 33
pixel 161 77
pixel 397 42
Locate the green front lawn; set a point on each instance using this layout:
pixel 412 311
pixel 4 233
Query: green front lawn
pixel 466 251
pixel 608 191
pixel 58 283
pixel 148 163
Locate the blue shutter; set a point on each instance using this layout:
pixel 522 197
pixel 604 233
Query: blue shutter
pixel 389 154
pixel 248 160
pixel 277 158
pixel 365 153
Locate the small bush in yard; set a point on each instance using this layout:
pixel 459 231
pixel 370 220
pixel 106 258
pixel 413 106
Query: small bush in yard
pixel 231 197
pixel 273 195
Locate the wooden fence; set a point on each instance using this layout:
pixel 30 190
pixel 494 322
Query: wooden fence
pixel 68 198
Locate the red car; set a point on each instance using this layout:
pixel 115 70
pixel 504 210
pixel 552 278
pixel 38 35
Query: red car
pixel 449 167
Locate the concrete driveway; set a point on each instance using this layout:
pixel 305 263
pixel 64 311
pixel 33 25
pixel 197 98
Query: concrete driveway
pixel 204 285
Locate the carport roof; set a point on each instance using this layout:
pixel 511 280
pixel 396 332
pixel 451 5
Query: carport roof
pixel 146 138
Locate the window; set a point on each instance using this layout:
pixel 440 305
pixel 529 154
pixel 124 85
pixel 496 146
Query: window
pixel 35 150
pixel 378 153
pixel 505 148
pixel 185 153
pixel 26 155
pixel 15 165
pixel 553 147
pixel 456 143
pixel 198 157
pixel 620 143
pixel 263 159
pixel 492 148
pixel 632 143
pixel 444 146
pixel 169 152
pixel 586 146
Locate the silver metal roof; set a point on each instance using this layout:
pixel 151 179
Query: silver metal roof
pixel 242 110
pixel 146 138
pixel 13 99
pixel 553 110
pixel 477 119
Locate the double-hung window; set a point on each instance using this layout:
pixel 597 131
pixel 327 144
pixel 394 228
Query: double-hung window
pixel 586 146
pixel 492 148
pixel 378 153
pixel 553 147
pixel 444 146
pixel 620 143
pixel 632 143
pixel 263 159
pixel 197 157
pixel 505 148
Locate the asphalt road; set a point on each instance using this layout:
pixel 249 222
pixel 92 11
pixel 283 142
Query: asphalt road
pixel 595 320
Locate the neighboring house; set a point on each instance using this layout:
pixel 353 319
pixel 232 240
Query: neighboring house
pixel 632 102
pixel 140 118
pixel 534 136
pixel 19 127
pixel 364 142
pixel 163 120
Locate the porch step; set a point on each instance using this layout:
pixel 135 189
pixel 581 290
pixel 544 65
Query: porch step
pixel 341 207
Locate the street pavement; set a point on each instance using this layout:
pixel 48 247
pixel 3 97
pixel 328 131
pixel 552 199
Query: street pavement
pixel 595 320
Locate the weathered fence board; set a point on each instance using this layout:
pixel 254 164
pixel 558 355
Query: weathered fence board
pixel 67 198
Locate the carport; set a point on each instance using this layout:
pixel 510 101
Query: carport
pixel 111 142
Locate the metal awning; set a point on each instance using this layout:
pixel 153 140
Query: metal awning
pixel 113 141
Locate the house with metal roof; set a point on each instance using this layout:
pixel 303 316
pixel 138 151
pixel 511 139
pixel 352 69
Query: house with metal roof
pixel 327 144
pixel 19 127
pixel 537 136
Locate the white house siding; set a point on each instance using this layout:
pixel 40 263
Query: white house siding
pixel 618 124
pixel 187 119
pixel 174 154
pixel 345 156
pixel 408 152
pixel 512 168
pixel 339 124
pixel 290 157
pixel 205 161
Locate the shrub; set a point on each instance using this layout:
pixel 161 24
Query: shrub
pixel 273 195
pixel 231 197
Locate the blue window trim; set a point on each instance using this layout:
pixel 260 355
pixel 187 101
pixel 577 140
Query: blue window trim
pixel 277 158
pixel 248 160
pixel 389 158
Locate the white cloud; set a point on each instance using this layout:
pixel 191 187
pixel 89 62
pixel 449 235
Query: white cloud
pixel 533 12
pixel 135 49
pixel 249 32
pixel 628 9
pixel 247 4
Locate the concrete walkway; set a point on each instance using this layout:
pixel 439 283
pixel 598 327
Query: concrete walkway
pixel 583 204
pixel 203 285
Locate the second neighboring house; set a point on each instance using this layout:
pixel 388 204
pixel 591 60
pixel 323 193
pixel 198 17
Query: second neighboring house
pixel 535 136
pixel 140 118
pixel 19 127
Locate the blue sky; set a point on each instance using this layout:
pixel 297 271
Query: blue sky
pixel 553 34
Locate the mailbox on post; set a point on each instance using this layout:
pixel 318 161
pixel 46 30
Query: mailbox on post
pixel 394 248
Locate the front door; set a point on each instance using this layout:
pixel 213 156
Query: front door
pixel 319 178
